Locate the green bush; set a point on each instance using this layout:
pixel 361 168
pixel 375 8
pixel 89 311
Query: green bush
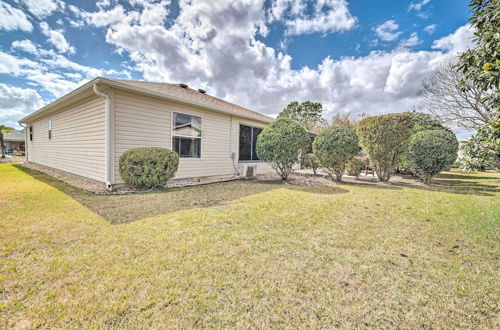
pixel 334 147
pixel 148 166
pixel 355 166
pixel 310 161
pixel 385 138
pixel 430 152
pixel 281 143
pixel 424 122
pixel 420 122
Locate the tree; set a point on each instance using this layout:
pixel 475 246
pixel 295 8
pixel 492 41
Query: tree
pixel 454 98
pixel 4 130
pixel 482 151
pixel 308 114
pixel 281 143
pixel 384 138
pixel 346 119
pixel 423 122
pixel 482 64
pixel 334 147
pixel 430 152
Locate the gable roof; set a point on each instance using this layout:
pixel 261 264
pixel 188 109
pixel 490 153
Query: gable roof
pixel 168 91
pixel 190 94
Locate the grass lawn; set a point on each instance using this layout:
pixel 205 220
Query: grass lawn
pixel 245 254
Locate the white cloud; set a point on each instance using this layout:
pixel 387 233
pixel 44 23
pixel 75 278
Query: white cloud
pixel 53 72
pixel 430 28
pixel 43 8
pixel 15 66
pixel 57 39
pixel 418 7
pixel 412 41
pixel 388 31
pixel 327 16
pixel 25 45
pixel 457 41
pixel 16 102
pixel 13 19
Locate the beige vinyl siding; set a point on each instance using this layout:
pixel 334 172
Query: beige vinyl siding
pixel 146 121
pixel 77 145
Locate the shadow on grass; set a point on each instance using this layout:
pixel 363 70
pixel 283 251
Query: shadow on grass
pixel 465 176
pixel 129 207
pixel 445 182
pixel 461 187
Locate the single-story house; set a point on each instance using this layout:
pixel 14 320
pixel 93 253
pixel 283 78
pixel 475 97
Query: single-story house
pixel 14 143
pixel 86 131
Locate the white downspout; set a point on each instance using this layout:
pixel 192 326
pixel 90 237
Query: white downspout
pixel 25 140
pixel 107 134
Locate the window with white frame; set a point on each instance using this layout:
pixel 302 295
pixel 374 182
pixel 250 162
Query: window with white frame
pixel 31 132
pixel 186 135
pixel 49 127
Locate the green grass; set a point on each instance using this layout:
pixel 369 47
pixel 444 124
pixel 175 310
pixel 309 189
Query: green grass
pixel 252 255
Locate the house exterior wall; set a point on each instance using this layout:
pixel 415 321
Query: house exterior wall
pixel 78 143
pixel 146 121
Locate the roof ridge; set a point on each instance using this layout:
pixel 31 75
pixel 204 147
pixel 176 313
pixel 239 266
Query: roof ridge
pixel 194 92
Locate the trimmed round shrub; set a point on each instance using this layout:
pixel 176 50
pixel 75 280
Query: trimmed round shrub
pixel 355 166
pixel 420 122
pixel 148 167
pixel 334 147
pixel 281 143
pixel 430 152
pixel 310 161
pixel 385 139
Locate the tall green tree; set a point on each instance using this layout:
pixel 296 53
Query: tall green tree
pixel 308 114
pixel 4 130
pixel 482 64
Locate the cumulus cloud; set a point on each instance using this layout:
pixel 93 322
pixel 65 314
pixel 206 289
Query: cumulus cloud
pixel 412 41
pixel 214 46
pixel 327 16
pixel 457 41
pixel 388 31
pixel 42 8
pixel 13 19
pixel 16 102
pixel 51 72
pixel 57 39
pixel 25 45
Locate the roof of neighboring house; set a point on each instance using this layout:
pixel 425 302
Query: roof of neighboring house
pixel 175 92
pixel 18 136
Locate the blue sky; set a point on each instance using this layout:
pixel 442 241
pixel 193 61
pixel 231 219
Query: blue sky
pixel 353 56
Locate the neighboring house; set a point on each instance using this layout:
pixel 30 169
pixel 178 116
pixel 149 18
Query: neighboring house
pixel 86 131
pixel 14 143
